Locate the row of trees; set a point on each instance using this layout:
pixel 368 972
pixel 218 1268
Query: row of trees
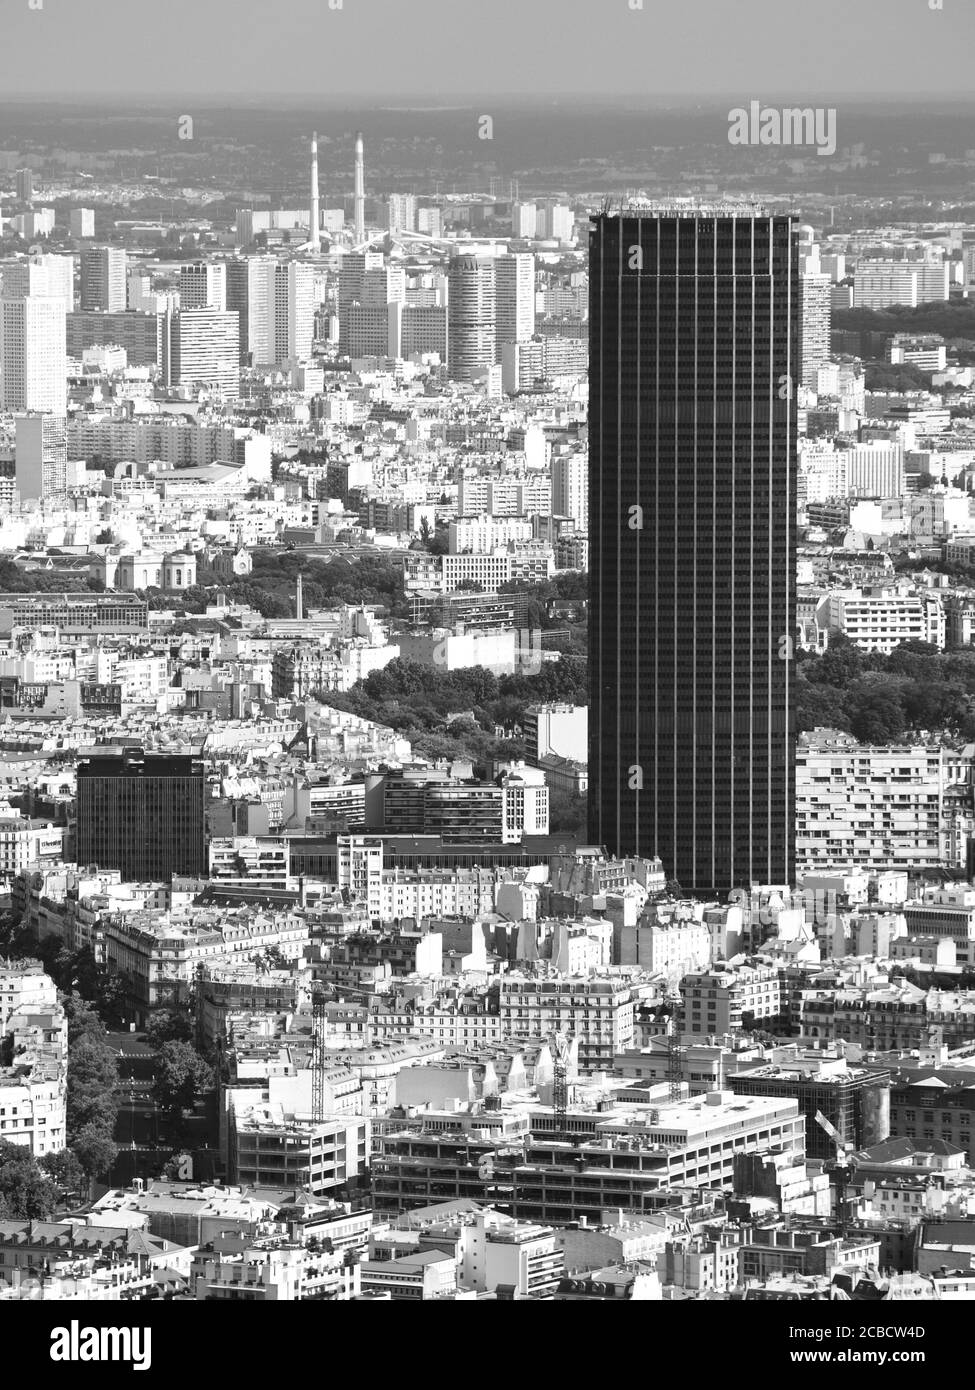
pixel 409 697
pixel 78 973
pixel 951 318
pixel 182 1075
pixel 92 997
pixel 270 588
pixel 89 995
pixel 93 1089
pixel 882 376
pixel 882 698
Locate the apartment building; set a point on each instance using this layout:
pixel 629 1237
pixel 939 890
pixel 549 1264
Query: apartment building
pixel 273 1269
pixel 26 841
pixel 24 985
pixel 723 1000
pixel 599 1012
pixel 878 620
pixel 885 807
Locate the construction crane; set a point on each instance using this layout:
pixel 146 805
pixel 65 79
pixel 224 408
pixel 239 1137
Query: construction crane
pixel 675 1048
pixel 318 1056
pixel 840 1166
pixel 198 1002
pixel 561 1053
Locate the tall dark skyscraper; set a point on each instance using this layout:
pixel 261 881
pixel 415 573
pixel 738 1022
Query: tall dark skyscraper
pixel 143 813
pixel 694 363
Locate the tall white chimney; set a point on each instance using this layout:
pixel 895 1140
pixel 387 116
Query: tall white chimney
pixel 360 191
pixel 315 221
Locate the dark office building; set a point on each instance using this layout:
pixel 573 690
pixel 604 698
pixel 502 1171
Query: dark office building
pixel 694 334
pixel 142 813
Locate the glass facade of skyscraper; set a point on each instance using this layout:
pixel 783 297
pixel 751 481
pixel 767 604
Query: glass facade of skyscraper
pixel 694 369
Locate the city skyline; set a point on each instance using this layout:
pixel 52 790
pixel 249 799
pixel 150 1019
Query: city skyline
pixel 487 667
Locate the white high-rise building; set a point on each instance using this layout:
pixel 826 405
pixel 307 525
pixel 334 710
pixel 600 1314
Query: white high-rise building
pixel 823 472
pixel 472 317
pixel 352 273
pixel 82 222
pixel 815 293
pixel 36 223
pixel 555 222
pixel 515 298
pixel 430 221
pixel 570 487
pixel 202 347
pixel 524 220
pixel 275 303
pixel 876 470
pixel 386 285
pixel 33 356
pixel 879 289
pixel 48 275
pixel 294 311
pixel 401 212
pixel 365 279
pixel 931 279
pixel 41 456
pixel 203 285
pixel 250 292
pixel 103 272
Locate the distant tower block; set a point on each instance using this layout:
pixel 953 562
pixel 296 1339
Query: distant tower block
pixel 360 191
pixel 314 217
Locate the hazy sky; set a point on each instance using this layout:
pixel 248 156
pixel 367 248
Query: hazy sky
pixel 453 47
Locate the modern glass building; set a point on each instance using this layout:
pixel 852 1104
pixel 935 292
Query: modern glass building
pixel 142 813
pixel 694 366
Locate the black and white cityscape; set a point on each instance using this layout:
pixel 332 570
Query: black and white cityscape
pixel 487 655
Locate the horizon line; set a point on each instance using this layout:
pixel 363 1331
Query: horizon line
pixel 431 101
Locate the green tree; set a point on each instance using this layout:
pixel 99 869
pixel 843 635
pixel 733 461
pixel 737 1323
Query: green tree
pixel 26 1192
pixel 934 704
pixel 840 664
pixel 182 1076
pixel 83 1021
pixel 15 941
pixel 819 706
pixel 92 1086
pixel 566 813
pixel 878 715
pixel 65 1171
pixel 110 998
pixel 95 1149
pixel 169 1026
pixel 919 660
